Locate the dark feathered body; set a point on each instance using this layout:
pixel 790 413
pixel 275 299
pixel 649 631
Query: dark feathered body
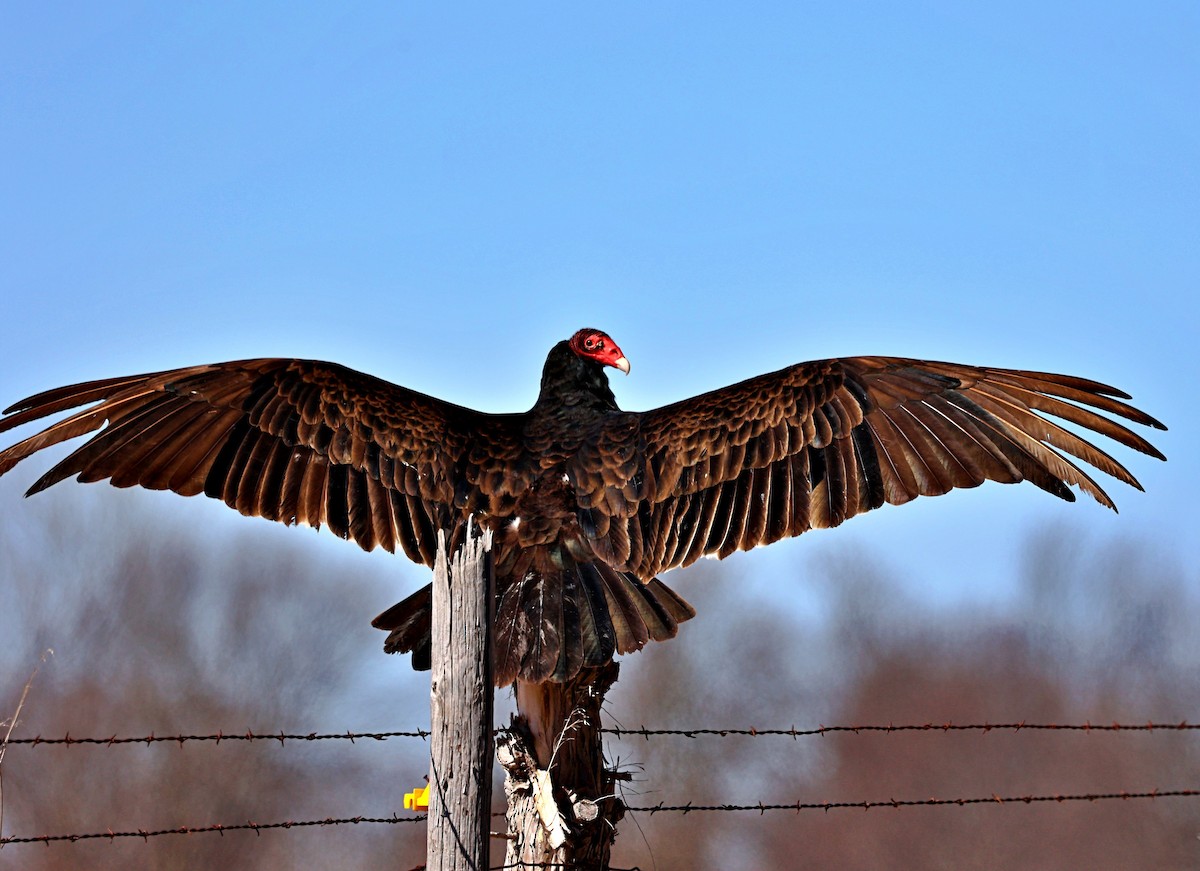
pixel 587 503
pixel 558 606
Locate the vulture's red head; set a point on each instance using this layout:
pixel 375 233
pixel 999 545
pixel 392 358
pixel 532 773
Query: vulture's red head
pixel 596 345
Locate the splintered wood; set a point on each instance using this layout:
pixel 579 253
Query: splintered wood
pixel 562 809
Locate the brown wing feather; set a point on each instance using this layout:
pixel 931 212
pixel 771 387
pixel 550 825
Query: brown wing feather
pixel 291 440
pixel 817 443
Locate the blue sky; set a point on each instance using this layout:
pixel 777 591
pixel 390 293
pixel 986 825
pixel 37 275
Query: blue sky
pixel 436 195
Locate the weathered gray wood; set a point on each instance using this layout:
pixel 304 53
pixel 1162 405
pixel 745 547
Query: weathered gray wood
pixel 461 699
pixel 562 807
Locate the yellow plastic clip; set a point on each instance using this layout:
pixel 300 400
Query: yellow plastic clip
pixel 417 800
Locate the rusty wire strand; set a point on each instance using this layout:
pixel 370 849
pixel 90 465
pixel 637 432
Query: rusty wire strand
pixel 760 807
pixel 218 737
pixel 219 828
pixel 622 732
pixel 919 802
pixel 793 732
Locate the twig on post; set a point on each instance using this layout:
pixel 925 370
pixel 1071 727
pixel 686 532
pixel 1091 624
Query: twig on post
pixel 461 700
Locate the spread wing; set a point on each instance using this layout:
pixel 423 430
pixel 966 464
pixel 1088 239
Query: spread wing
pixel 814 444
pixel 295 441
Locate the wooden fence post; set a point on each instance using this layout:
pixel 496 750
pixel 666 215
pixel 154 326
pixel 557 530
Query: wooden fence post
pixel 562 807
pixel 460 706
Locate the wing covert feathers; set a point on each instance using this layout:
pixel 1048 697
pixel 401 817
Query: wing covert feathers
pixel 812 445
pixel 294 441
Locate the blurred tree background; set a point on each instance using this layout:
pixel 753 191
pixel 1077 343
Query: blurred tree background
pixel 165 626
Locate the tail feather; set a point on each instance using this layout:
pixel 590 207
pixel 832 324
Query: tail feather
pixel 597 635
pixel 542 623
pixel 548 627
pixel 509 638
pixel 407 623
pixel 671 608
pixel 570 651
pixel 659 625
pixel 538 629
pixel 622 599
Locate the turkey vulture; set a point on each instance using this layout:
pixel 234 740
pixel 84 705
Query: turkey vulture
pixel 587 503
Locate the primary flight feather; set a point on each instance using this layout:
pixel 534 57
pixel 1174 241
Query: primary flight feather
pixel 587 503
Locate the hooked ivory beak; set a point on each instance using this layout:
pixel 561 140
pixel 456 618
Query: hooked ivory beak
pixel 622 364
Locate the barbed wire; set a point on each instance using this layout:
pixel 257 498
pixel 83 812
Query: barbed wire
pixel 793 732
pixel 220 828
pixel 919 802
pixel 760 807
pixel 620 732
pixel 218 737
